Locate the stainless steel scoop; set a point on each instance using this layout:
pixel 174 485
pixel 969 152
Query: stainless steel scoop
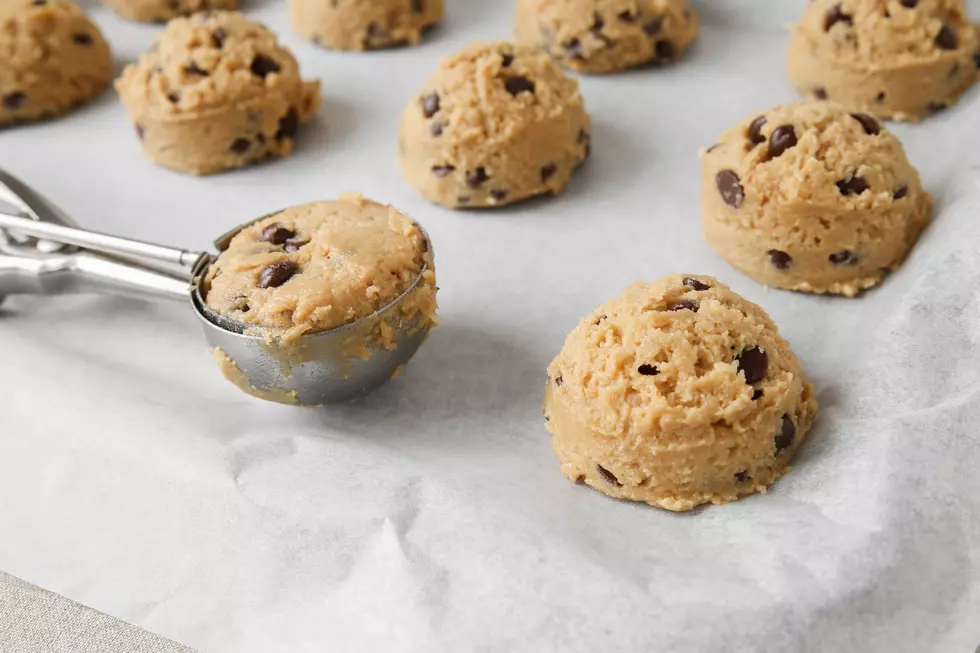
pixel 42 252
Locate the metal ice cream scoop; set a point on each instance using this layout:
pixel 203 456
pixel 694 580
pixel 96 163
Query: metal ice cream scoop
pixel 43 252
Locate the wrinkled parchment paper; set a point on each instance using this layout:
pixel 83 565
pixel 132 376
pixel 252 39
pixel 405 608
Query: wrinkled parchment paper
pixel 432 516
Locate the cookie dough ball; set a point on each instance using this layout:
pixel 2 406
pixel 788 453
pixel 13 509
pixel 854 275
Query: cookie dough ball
pixel 602 36
pixel 158 11
pixel 52 58
pixel 364 24
pixel 216 91
pixel 496 124
pixel 895 59
pixel 677 393
pixel 320 266
pixel 813 197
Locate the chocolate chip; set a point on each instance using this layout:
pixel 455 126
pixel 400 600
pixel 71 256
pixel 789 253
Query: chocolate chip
pixel 626 16
pixel 13 101
pixel 880 97
pixel 900 192
pixel 712 148
pixel 853 185
pixel 506 59
pixel 475 178
pixel 786 434
pixel 518 84
pixel 946 39
pixel 417 6
pixel 753 363
pixel 976 59
pixel 608 476
pixel 730 188
pixel 741 477
pixel 559 380
pixel 240 145
pixel 463 200
pixel 288 125
pixel 218 37
pixel 443 170
pixel 498 195
pixel 39 3
pixel 782 138
pixel 871 126
pixel 277 234
pixel 82 39
pixel 375 31
pixel 908 4
pixel 263 65
pixel 276 274
pixel 648 370
pixel 836 15
pixel 755 131
pixel 696 284
pixel 665 49
pixel 140 131
pixel 294 245
pixel 685 304
pixel 574 49
pixel 548 171
pixel 652 27
pixel 935 107
pixel 779 259
pixel 757 394
pixel 955 70
pixel 820 93
pixel 597 24
pixel 436 128
pixel 843 257
pixel 194 69
pixel 430 104
pixel 174 96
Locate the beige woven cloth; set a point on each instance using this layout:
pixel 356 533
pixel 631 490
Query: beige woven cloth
pixel 33 620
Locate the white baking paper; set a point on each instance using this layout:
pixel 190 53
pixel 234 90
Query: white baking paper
pixel 432 516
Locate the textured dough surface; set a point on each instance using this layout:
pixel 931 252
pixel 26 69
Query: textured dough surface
pixel 158 11
pixel 601 36
pixel 496 124
pixel 896 59
pixel 338 261
pixel 52 58
pixel 648 399
pixel 364 24
pixel 812 198
pixel 216 91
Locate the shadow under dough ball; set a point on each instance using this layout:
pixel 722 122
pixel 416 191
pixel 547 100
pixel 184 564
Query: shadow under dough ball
pixel 360 25
pixel 812 197
pixel 159 11
pixel 895 59
pixel 604 36
pixel 496 124
pixel 54 58
pixel 216 91
pixel 677 393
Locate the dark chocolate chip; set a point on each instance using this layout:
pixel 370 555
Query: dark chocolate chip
pixel 935 107
pixel 665 49
pixel 574 49
pixel 288 125
pixel 276 274
pixel 880 97
pixel 39 3
pixel 908 4
pixel 499 195
pixel 730 188
pixel 626 16
pixel 900 192
pixel 218 37
pixel 753 363
pixel 653 26
pixel 475 178
pixel 782 138
pixel 685 304
pixel 518 84
pixel 194 69
pixel 820 93
pixel 741 477
pixel 946 39
pixel 755 131
pixel 277 234
pixel 430 104
pixel 648 370
pixel 696 284
pixel 871 126
pixel 976 59
pixel 82 38
pixel 140 131
pixel 608 476
pixel 559 380
pixel 174 96
pixel 780 259
pixel 548 171
pixel 843 257
pixel 443 170
pixel 240 145
pixel 712 148
pixel 375 31
pixel 853 185
pixel 463 200
pixel 263 65
pixel 836 15
pixel 13 101
pixel 757 394
pixel 506 59
pixel 786 434
pixel 294 245
pixel 597 24
pixel 417 6
pixel 436 128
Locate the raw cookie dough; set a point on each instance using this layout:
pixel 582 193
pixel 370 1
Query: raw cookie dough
pixel 602 36
pixel 677 393
pixel 812 197
pixel 158 11
pixel 496 124
pixel 900 59
pixel 52 58
pixel 323 265
pixel 216 91
pixel 364 24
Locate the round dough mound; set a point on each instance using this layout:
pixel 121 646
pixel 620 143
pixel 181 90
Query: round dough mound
pixel 52 58
pixel 216 91
pixel 811 197
pixel 496 124
pixel 677 393
pixel 602 36
pixel 896 59
pixel 158 11
pixel 364 24
pixel 320 266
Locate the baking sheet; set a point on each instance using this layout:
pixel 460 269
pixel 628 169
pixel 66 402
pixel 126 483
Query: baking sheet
pixel 432 516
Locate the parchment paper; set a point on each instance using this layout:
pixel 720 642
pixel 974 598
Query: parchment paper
pixel 432 516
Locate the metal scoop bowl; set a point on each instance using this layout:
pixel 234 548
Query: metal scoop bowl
pixel 43 252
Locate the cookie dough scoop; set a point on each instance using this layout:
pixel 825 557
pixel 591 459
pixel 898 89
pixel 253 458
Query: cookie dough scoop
pixel 315 304
pixel 677 393
pixel 360 25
